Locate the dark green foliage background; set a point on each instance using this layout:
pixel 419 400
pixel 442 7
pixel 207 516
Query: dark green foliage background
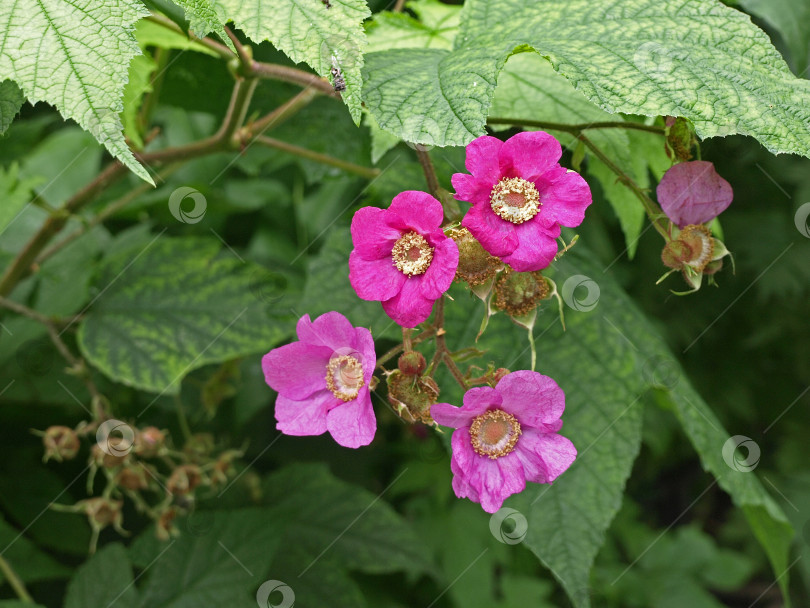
pixel 380 526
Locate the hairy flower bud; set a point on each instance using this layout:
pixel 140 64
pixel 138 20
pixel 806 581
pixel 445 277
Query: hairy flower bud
pixel 518 293
pixel 680 138
pixel 132 478
pixel 475 265
pixel 412 363
pixel 102 511
pixel 412 396
pixel 61 443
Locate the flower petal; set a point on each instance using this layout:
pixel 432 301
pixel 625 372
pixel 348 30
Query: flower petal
pixel 376 280
pixel 693 193
pixel 481 398
pixel 482 159
pixel 352 424
pixel 564 196
pixel 529 154
pixel 305 417
pixel 536 248
pixel 496 480
pixel 533 398
pixel 461 463
pixel 372 235
pixel 439 276
pixel 296 370
pixel 495 234
pixel 409 307
pixel 545 456
pixel 331 329
pixel 470 189
pixel 447 414
pixel 418 210
pixel 364 345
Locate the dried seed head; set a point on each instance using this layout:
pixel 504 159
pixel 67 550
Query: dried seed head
pixel 412 396
pixel 475 265
pixel 61 443
pixel 518 293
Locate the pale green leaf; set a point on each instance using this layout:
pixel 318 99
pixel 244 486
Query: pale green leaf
pixel 105 580
pixel 791 18
pixel 692 58
pixel 173 306
pixel 149 33
pixel 11 99
pixel 140 83
pixel 306 30
pixel 436 27
pixel 75 56
pixel 205 17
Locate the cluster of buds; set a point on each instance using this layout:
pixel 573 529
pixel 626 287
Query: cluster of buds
pixel 139 464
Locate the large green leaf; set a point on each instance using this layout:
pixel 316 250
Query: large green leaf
pixel 220 564
pixel 693 58
pixel 436 27
pixel 11 98
pixel 306 30
pixel 104 580
pixel 607 362
pixel 25 557
pixel 173 306
pixel 75 56
pixel 791 18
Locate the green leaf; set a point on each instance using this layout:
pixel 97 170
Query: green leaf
pixel 76 58
pixel 606 362
pixel 220 565
pixel 15 193
pixel 18 604
pixel 140 83
pixel 436 27
pixel 692 58
pixel 104 580
pixel 328 288
pixel 205 17
pixel 530 89
pixel 11 100
pixel 173 306
pixel 323 519
pixel 306 30
pixel 28 561
pixel 149 33
pixel 790 18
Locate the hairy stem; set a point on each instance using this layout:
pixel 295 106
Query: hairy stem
pixel 367 172
pixel 575 129
pixel 429 171
pixel 652 209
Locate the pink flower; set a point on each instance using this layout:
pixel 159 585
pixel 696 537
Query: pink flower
pixel 693 193
pixel 520 197
pixel 401 257
pixel 323 380
pixel 505 436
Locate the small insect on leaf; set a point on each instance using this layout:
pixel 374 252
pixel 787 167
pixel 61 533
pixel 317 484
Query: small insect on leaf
pixel 338 82
pixel 326 3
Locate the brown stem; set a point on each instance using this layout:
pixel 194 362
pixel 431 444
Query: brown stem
pixel 398 6
pixel 577 128
pixel 429 171
pixel 245 57
pixel 367 172
pixel 653 211
pixel 281 113
pixel 442 353
pixel 398 348
pixel 294 76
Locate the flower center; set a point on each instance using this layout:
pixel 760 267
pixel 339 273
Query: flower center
pixel 412 254
pixel 344 377
pixel 494 433
pixel 515 200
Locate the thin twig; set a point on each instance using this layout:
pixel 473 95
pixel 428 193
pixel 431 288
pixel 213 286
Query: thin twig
pixel 429 171
pixel 367 172
pixel 15 581
pixel 577 128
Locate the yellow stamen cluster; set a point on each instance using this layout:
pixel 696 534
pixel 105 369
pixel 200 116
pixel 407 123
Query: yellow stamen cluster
pixel 494 433
pixel 515 200
pixel 411 254
pixel 344 377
